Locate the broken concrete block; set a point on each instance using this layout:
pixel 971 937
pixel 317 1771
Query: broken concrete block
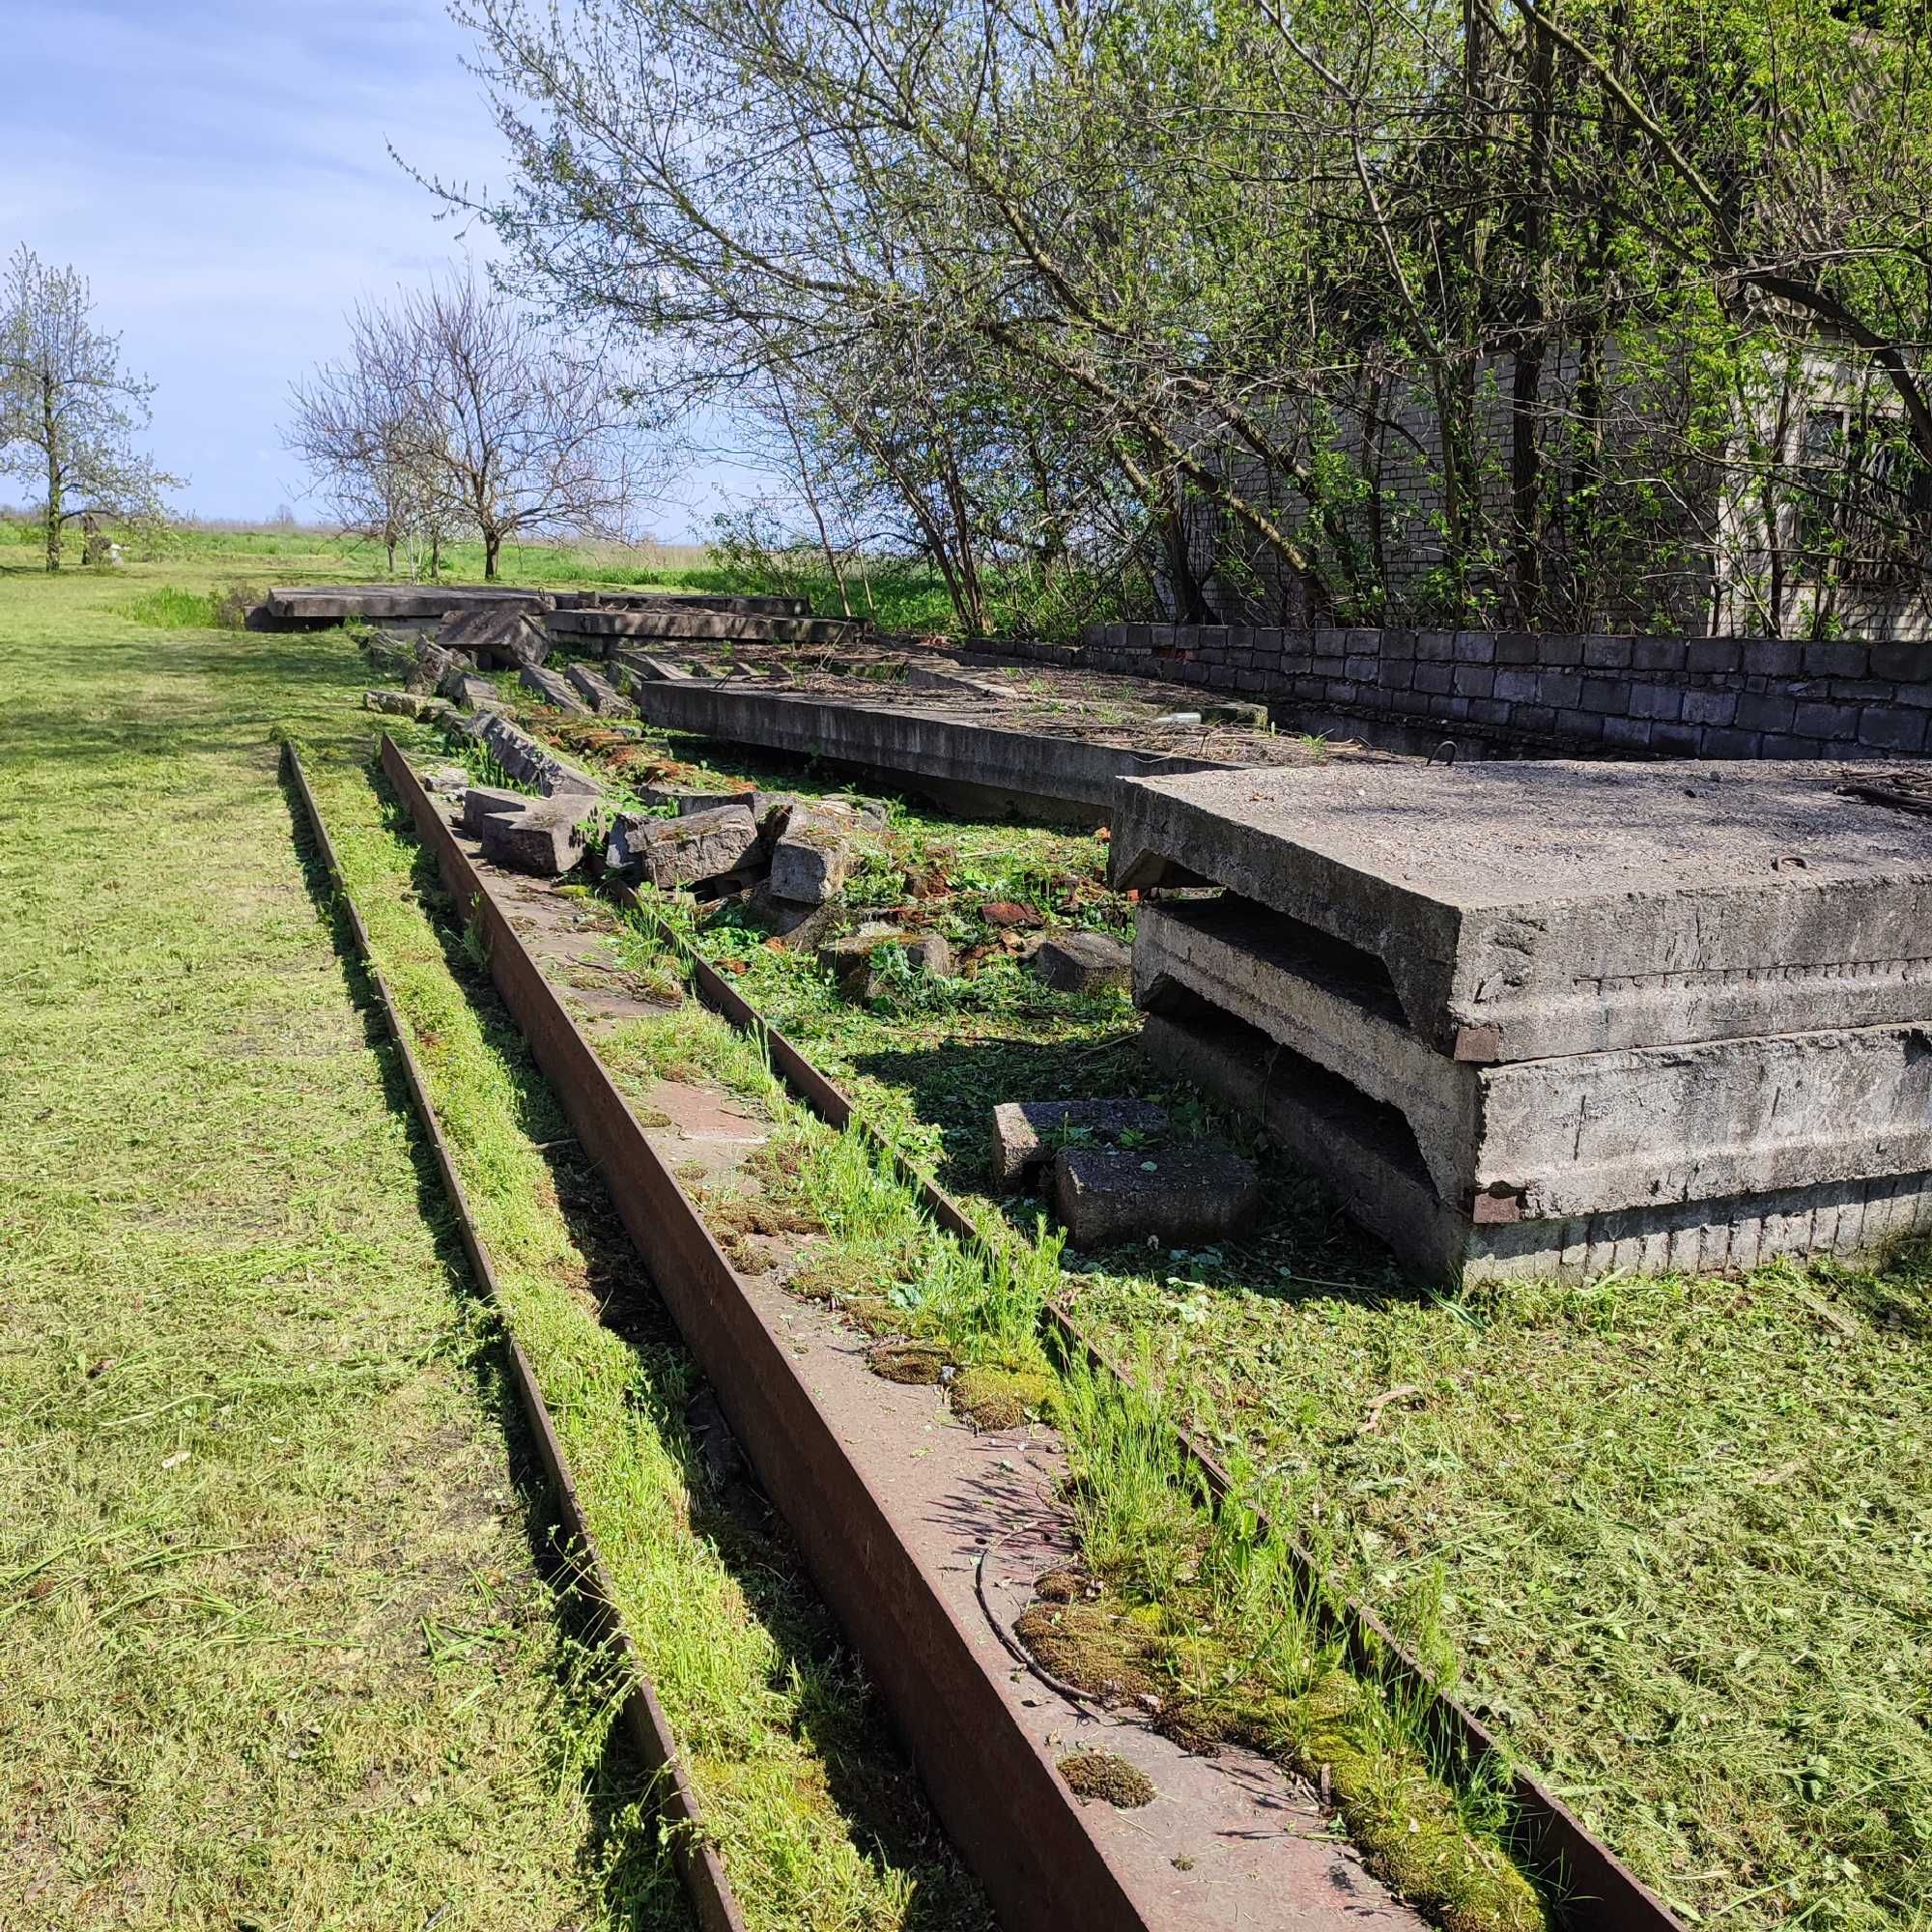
pixel 794 927
pixel 813 854
pixel 405 703
pixel 597 693
pixel 486 802
pixel 530 763
pixel 843 957
pixel 461 686
pixel 555 690
pixel 929 955
pixel 931 952
pixel 391 657
pixel 867 814
pixel 432 663
pixel 447 780
pixel 667 852
pixel 1083 962
pixel 690 802
pixel 1107 1197
pixel 496 635
pixel 542 839
pixel 1028 1133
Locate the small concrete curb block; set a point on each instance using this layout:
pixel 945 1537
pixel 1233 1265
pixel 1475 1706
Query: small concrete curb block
pixel 405 704
pixel 542 837
pixel 1083 962
pixel 1107 1197
pixel 1027 1132
pixel 482 802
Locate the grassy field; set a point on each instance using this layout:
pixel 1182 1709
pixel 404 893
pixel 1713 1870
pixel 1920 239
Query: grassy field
pixel 272 1651
pixel 275 1650
pixel 1674 1535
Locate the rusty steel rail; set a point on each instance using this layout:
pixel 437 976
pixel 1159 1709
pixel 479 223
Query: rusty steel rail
pixel 698 1864
pixel 1011 1817
pixel 1599 1891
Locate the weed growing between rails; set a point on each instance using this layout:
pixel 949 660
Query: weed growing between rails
pixel 1164 1611
pixel 813 1810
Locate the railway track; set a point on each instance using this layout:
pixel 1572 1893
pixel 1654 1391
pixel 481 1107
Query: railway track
pixel 974 1723
pixel 698 1867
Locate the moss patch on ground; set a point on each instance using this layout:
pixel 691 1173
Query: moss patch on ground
pixel 1106 1774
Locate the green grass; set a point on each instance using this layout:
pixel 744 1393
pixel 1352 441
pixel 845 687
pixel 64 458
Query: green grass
pixel 1194 1611
pixel 816 1814
pixel 274 1653
pixel 1674 1537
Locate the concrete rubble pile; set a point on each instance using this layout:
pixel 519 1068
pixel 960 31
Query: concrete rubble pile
pixel 1558 1019
pixel 791 854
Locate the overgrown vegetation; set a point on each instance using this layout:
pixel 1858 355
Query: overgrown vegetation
pixel 1503 316
pixel 816 1814
pixel 1620 1515
pixel 1198 1618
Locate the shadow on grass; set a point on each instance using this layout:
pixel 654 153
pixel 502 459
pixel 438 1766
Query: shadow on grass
pixel 868 1778
pixel 1302 1246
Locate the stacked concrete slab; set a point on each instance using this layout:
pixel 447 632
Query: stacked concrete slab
pixel 671 622
pixel 1555 1018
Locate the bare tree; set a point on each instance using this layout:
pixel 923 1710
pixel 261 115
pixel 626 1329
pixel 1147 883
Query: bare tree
pixel 354 425
pixel 68 409
pixel 456 406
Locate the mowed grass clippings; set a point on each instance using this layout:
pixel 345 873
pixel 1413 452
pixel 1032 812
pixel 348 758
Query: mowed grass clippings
pixel 1673 1537
pixel 815 1811
pixel 1677 1534
pixel 272 1649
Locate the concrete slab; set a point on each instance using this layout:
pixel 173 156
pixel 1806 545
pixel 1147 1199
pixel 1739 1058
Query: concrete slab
pixel 977 768
pixel 1580 1134
pixel 1364 1154
pixel 1527 910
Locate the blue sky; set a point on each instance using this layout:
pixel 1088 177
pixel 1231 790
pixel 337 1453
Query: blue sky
pixel 219 171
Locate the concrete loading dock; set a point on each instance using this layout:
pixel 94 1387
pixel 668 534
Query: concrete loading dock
pixel 1549 1018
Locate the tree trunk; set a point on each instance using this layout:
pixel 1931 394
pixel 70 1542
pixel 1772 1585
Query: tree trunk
pixel 56 506
pixel 493 542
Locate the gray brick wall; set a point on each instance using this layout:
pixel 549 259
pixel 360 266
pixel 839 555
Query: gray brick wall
pixel 1719 698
